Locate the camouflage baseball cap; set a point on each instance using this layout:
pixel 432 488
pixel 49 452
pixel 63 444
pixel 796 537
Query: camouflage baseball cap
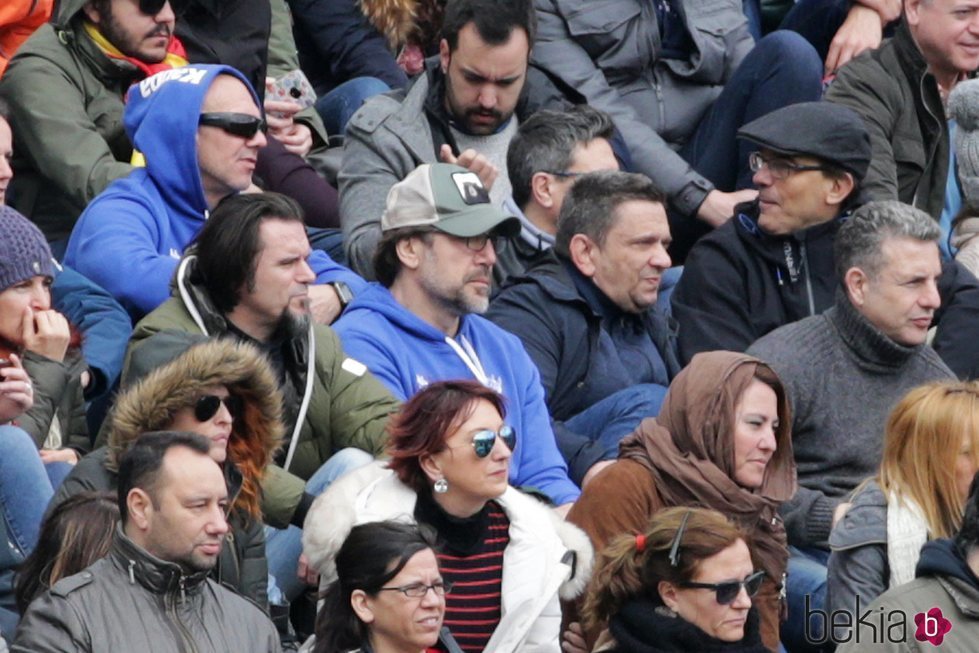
pixel 448 198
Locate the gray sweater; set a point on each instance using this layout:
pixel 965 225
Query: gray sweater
pixel 843 377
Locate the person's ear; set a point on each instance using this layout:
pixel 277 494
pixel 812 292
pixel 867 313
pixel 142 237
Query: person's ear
pixel 139 506
pixel 91 13
pixel 667 592
pixel 540 189
pixel 445 54
pixel 409 251
pixel 430 467
pixel 361 605
pixel 856 282
pixel 582 252
pixel 912 11
pixel 840 189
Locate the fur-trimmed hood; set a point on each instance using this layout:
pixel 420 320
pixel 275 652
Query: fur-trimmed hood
pixel 374 493
pixel 150 403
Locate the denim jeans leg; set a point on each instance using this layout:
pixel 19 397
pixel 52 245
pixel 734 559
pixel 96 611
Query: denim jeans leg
pixel 806 579
pixel 341 103
pixel 283 546
pixel 25 489
pixel 329 241
pixel 817 21
pixel 618 415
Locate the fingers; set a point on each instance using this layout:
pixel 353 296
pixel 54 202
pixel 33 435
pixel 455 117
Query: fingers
pixel 306 572
pixel 445 153
pixel 51 335
pixel 479 164
pixel 281 109
pixel 298 139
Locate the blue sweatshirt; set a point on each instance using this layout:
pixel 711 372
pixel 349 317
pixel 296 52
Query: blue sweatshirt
pixel 406 354
pixel 130 238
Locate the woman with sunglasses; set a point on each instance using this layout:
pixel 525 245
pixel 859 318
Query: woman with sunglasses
pixel 683 583
pixel 721 441
pixel 505 553
pixel 223 390
pixel 931 454
pixel 389 595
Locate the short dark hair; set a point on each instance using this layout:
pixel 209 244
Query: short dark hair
pixel 140 466
pixel 227 247
pixel 369 558
pixel 424 422
pixel 861 238
pixel 589 207
pixel 546 142
pixel 494 20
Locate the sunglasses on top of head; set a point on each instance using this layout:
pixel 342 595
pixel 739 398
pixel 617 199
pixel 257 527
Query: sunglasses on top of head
pixel 207 406
pixel 237 124
pixel 484 440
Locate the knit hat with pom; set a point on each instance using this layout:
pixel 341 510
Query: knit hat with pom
pixel 23 251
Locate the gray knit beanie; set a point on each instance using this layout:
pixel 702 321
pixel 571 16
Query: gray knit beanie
pixel 23 251
pixel 963 107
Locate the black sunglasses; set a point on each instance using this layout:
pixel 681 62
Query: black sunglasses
pixel 238 124
pixel 207 406
pixel 484 440
pixel 726 592
pixel 151 7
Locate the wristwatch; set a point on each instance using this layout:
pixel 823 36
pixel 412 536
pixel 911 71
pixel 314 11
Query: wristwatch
pixel 343 293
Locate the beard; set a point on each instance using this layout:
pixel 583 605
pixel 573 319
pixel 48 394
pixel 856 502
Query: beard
pixel 128 43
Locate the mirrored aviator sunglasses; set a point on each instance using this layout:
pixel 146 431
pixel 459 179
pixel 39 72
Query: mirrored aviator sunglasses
pixel 237 124
pixel 725 593
pixel 151 7
pixel 484 440
pixel 207 406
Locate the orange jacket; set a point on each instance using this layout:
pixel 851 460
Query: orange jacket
pixel 18 20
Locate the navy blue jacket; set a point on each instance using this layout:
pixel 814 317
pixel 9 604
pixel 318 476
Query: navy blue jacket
pixel 564 337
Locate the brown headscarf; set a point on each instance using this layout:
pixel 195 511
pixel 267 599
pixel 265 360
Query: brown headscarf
pixel 689 450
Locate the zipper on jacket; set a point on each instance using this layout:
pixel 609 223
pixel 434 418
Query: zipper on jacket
pixel 187 641
pixel 804 264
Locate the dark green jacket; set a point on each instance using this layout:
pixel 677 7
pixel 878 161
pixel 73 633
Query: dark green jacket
pixel 348 406
pixel 66 104
pixel 900 104
pixel 58 401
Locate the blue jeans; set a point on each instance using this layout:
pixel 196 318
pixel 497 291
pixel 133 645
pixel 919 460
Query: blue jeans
pixel 283 546
pixel 667 284
pixel 329 241
pixel 782 69
pixel 339 104
pixel 618 415
pixel 806 577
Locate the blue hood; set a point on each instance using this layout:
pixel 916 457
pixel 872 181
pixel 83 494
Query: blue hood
pixel 161 121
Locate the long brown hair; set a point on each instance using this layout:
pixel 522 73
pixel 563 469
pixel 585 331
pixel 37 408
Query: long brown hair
pixel 630 567
pixel 76 533
pixel 922 441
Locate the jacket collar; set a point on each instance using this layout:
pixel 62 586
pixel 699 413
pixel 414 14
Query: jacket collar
pixel 156 575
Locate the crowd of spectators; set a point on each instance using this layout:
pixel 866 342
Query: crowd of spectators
pixel 387 326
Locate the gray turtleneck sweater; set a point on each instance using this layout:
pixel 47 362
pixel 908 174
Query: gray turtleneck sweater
pixel 843 377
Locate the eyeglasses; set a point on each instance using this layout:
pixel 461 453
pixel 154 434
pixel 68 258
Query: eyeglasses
pixel 207 406
pixel 418 590
pixel 484 440
pixel 727 591
pixel 565 175
pixel 477 243
pixel 237 124
pixel 151 7
pixel 778 167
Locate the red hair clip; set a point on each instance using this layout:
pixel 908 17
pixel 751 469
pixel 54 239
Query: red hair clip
pixel 640 542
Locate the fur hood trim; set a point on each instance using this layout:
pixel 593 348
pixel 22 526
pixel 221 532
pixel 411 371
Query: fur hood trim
pixel 395 19
pixel 372 493
pixel 149 404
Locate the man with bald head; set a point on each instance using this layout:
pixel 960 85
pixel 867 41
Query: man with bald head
pixel 200 129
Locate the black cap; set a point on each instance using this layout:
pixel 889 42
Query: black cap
pixel 827 131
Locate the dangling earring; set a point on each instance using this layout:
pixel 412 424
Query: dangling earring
pixel 441 486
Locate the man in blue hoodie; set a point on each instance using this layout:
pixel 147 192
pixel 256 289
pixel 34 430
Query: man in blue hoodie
pixel 199 128
pixel 434 263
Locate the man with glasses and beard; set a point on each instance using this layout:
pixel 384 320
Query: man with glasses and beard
pixel 249 276
pixel 464 109
pixel 421 323
pixel 65 89
pixel 200 129
pixel 151 592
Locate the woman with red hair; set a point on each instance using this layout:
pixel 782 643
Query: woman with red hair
pixel 223 390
